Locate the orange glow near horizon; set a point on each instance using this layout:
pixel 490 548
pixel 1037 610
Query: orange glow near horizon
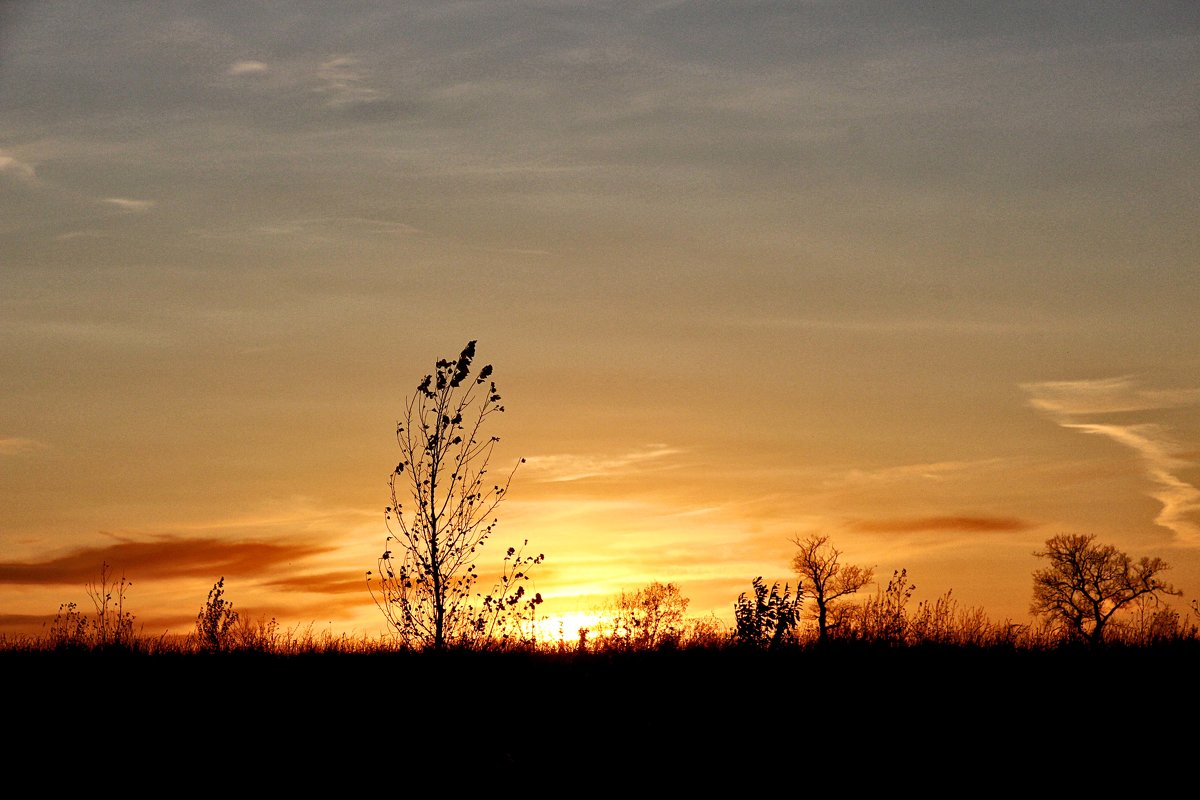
pixel 566 628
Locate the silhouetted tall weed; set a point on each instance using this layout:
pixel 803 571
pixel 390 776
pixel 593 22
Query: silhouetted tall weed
pixel 216 619
pixel 767 619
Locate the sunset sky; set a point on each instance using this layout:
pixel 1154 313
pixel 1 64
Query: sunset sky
pixel 921 276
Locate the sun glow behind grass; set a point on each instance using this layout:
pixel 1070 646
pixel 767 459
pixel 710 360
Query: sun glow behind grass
pixel 566 629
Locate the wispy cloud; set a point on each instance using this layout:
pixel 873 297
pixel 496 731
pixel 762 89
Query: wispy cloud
pixel 562 467
pixel 981 524
pixel 345 582
pixel 517 251
pixel 247 68
pixel 87 233
pixel 1104 395
pixel 131 206
pixel 114 333
pixel 330 226
pixel 928 471
pixel 16 446
pixel 161 558
pixel 345 82
pixel 891 326
pixel 24 172
pixel 9 165
pixel 1162 458
pixel 1159 453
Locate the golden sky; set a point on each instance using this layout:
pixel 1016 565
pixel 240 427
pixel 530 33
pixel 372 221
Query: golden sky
pixel 919 276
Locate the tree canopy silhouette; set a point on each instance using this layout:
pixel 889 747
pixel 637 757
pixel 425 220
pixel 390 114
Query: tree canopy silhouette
pixel 649 618
pixel 1086 583
pixel 817 563
pixel 427 572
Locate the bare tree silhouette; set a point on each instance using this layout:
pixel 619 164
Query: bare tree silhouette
pixel 649 618
pixel 1086 583
pixel 817 563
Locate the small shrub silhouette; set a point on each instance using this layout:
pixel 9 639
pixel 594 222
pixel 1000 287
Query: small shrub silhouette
pixel 216 619
pixel 884 619
pixel 69 629
pixel 767 618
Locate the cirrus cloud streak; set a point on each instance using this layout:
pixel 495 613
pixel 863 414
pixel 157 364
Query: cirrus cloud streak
pixel 1162 458
pixel 565 467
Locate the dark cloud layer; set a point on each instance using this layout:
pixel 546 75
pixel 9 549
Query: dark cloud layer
pixel 160 558
pixel 343 582
pixel 956 524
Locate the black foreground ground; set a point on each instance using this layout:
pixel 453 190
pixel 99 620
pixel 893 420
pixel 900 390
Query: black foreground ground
pixel 665 716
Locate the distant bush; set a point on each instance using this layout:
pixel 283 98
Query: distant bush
pixel 216 619
pixel 768 618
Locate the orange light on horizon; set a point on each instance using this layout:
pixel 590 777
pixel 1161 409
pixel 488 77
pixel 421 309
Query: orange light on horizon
pixel 567 627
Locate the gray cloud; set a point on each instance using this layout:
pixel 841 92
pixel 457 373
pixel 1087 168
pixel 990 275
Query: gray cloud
pixel 10 165
pixel 345 82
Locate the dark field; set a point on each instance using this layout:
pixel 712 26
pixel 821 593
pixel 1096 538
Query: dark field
pixel 731 712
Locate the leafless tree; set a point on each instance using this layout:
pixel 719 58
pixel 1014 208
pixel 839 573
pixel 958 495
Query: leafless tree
pixel 427 572
pixel 649 618
pixel 1086 583
pixel 825 578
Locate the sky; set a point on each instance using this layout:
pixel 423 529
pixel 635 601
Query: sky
pixel 918 276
